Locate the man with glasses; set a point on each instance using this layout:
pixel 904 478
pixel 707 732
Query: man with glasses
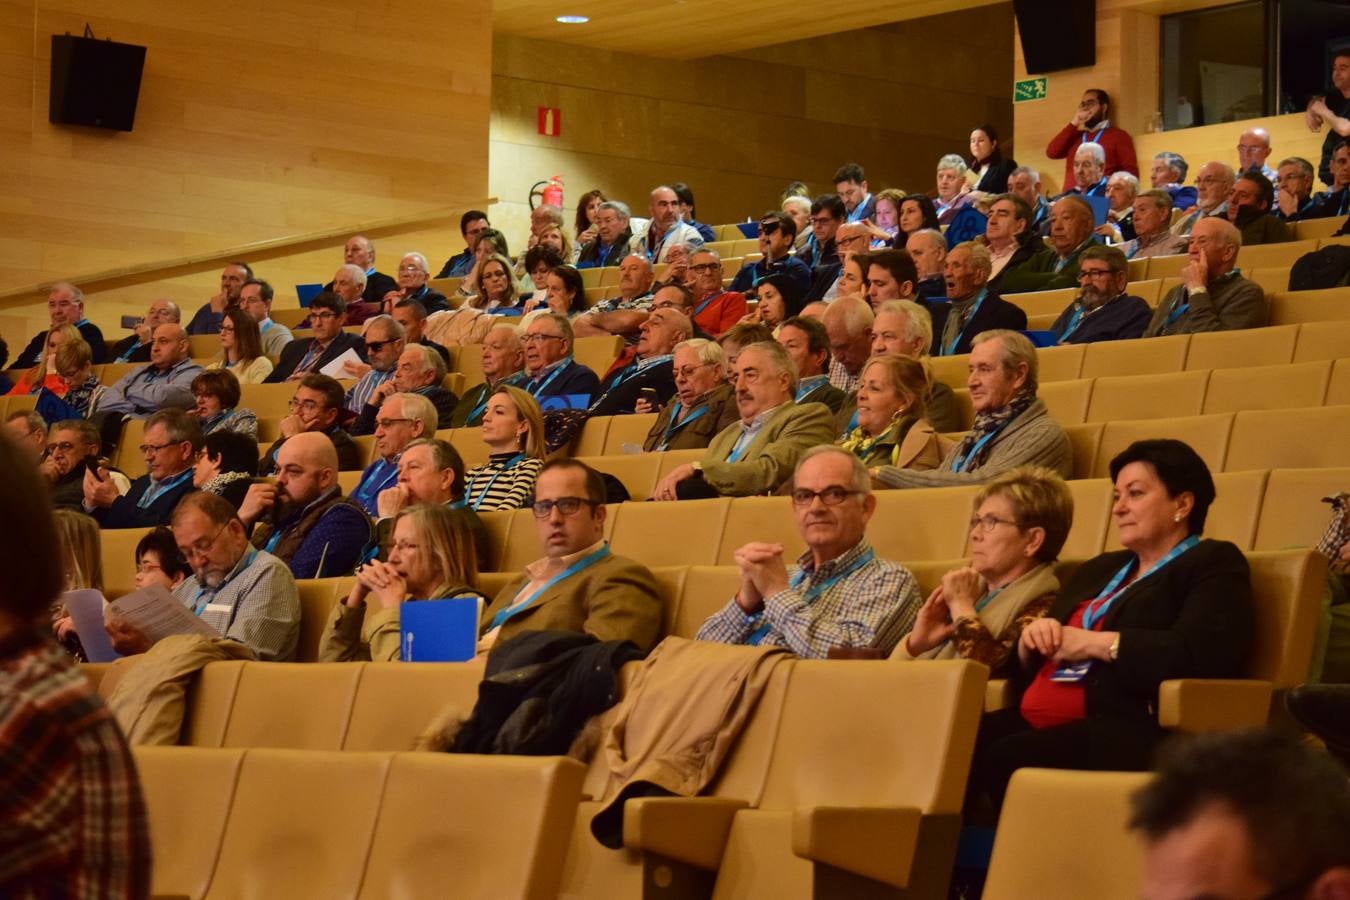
pixel 503 362
pixel 165 382
pixel 1251 207
pixel 316 407
pixel 384 340
pixel 578 585
pixel 402 419
pixel 413 272
pixel 715 309
pixel 65 306
pixel 777 234
pixel 625 313
pixel 648 367
pixel 755 455
pixel 551 370
pixel 839 594
pixel 70 445
pixel 703 405
pixel 136 347
pixel 1253 150
pixel 170 445
pixel 612 237
pixel 1293 194
pixel 1213 183
pixel 1102 311
pixel 1213 295
pixel 420 370
pixel 852 237
pixel 471 225
pixel 246 594
pixel 431 471
pixel 329 341
pixel 827 214
pixel 1071 224
pixel 359 254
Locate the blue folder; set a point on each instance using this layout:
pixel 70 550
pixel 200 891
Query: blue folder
pixel 1042 338
pixel 749 229
pixel 439 630
pixel 307 292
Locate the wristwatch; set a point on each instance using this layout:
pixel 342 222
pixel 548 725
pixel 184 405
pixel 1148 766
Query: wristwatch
pixel 1114 651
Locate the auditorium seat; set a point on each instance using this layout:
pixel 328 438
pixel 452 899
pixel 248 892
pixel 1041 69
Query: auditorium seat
pixel 300 706
pixel 631 429
pixel 1247 347
pixel 469 443
pixel 498 525
pixel 209 701
pixel 590 277
pixel 349 480
pixel 1149 290
pixel 365 443
pixel 1269 256
pixel 1159 396
pixel 117 550
pixel 965 408
pixel 1062 363
pixel 590 441
pixel 921 523
pixel 952 371
pixel 1207 434
pixel 671 534
pixel 1312 229
pixel 317 598
pixel 1268 387
pixel 1067 401
pixel 1306 307
pixel 1145 356
pixel 469 363
pixel 1101 859
pixel 128 457
pixel 1292 513
pixel 1338 387
pixel 597 353
pixel 395 702
pixel 763 519
pixel 1084 441
pixel 1091 517
pixel 1234 514
pixel 1038 303
pixel 1169 266
pixel 637 471
pixel 114 372
pixel 270 400
pixel 706 589
pixel 673 459
pixel 1290 438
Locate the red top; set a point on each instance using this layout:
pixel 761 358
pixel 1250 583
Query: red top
pixel 1047 703
pixel 723 312
pixel 1117 145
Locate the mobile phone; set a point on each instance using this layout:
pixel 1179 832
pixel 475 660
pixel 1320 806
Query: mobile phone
pixel 649 394
pixel 130 322
pixel 91 463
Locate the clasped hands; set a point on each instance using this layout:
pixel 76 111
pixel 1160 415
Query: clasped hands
pixel 953 599
pixel 763 574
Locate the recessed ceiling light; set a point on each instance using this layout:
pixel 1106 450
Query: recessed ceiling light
pixel 573 20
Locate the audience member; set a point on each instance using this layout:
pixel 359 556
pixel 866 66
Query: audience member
pixel 887 217
pixel 989 170
pixel 217 394
pixel 1293 195
pixel 917 213
pixel 1250 207
pixel 1088 672
pixel 715 309
pixel 316 406
pixel 687 211
pixel 413 273
pixel 664 228
pixel 564 293
pixel 495 289
pixel 74 821
pixel 1012 426
pixel 551 370
pixel 241 351
pixel 1089 167
pixel 703 404
pixel 850 183
pixel 646 370
pixel 1335 201
pixel 226 465
pixel 623 314
pixel 65 306
pixel 207 319
pixel 359 252
pixel 839 594
pixel 827 214
pixel 888 426
pixel 513 429
pixel 171 443
pixel 798 208
pixel 612 236
pixel 905 328
pixel 1092 123
pixel 71 443
pixel 1253 150
pixel 777 237
pixel 1152 236
pixel 412 317
pixel 431 471
pixel 1332 110
pixel 304 355
pixel 1168 173
pixel 420 370
pixel 540 260
pixel 850 239
pixel 471 225
pixel 757 454
pixel 973 307
pixel 1121 189
pixel 1213 295
pixel 28 429
pixel 43 376
pixel 136 346
pixel 1102 311
pixel 808 346
pixel 852 280
pixel 953 193
pixel 255 298
pixel 303 519
pixel 848 322
pixel 74 363
pixel 1018 526
pixel 1071 224
pixel 1213 184
pixel 403 418
pixel 578 585
pixel 159 561
pixel 928 251
pixel 1007 236
pixel 777 297
pixel 1025 185
pixel 583 226
pixel 165 382
pixel 503 361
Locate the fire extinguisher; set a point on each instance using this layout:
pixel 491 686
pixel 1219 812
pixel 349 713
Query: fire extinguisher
pixel 550 193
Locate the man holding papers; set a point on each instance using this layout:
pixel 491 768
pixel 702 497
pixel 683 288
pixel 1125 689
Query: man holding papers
pixel 578 585
pixel 304 355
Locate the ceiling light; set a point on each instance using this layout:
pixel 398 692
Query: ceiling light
pixel 573 20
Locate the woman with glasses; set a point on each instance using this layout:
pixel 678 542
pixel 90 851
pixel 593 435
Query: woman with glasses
pixel 1021 520
pixel 159 561
pixel 217 392
pixel 241 350
pixel 513 429
pixel 889 428
pixel 431 557
pixel 226 465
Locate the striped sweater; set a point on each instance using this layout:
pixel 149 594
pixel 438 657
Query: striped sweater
pixel 495 485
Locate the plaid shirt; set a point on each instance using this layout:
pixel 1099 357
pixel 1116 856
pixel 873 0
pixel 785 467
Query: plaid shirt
pixel 72 821
pixel 257 605
pixel 1337 533
pixel 872 607
pixel 840 378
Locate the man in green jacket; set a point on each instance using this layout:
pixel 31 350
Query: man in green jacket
pixel 1071 224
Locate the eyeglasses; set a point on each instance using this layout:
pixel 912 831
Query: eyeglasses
pixel 403 546
pixel 326 314
pixel 1093 273
pixel 688 371
pixel 568 506
pixel 63 446
pixel 988 523
pixel 306 405
pixel 389 423
pixel 151 449
pixel 227 329
pixel 412 268
pixel 203 545
pixel 831 496
pixel 145 568
pixel 540 338
pixel 704 268
pixel 377 346
pixel 769 227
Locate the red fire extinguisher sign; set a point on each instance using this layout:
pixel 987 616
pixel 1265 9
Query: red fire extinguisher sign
pixel 550 121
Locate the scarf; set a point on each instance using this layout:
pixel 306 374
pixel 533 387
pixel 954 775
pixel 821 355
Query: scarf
pixel 862 445
pixel 990 422
pixel 956 319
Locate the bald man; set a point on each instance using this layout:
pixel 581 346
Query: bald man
pixel 165 382
pixel 360 252
pixel 1213 295
pixel 303 519
pixel 136 347
pixel 1253 150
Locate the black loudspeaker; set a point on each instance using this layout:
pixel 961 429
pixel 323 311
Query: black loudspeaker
pixel 1057 34
pixel 94 82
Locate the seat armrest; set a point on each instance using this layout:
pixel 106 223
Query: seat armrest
pixel 1213 704
pixel 997 694
pixel 690 830
pixel 877 843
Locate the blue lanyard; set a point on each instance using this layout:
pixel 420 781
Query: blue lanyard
pixel 150 496
pixel 698 311
pixel 675 426
pixel 987 599
pixel 130 352
pixel 535 391
pixel 959 464
pixel 807 385
pixel 813 593
pixel 482 405
pixel 198 607
pixel 741 443
pixel 1100 605
pixel 1074 321
pixel 1093 139
pixel 506 467
pixel 852 421
pixel 274 539
pixel 979 301
pixel 371 478
pixel 857 214
pixel 517 608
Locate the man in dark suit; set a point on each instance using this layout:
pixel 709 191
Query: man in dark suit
pixel 413 273
pixel 172 439
pixel 548 361
pixel 420 370
pixel 65 306
pixel 972 306
pixel 304 355
pixel 360 252
pixel 647 365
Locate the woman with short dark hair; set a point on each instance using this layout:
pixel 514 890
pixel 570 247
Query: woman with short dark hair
pixel 217 392
pixel 226 465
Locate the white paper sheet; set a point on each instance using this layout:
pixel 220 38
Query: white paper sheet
pixel 156 613
pixel 337 368
pixel 86 608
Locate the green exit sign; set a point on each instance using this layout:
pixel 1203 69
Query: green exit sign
pixel 1031 89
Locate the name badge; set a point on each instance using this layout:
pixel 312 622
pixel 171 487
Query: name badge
pixel 217 608
pixel 1069 674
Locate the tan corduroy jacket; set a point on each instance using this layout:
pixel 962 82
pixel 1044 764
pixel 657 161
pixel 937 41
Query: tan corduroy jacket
pixel 768 460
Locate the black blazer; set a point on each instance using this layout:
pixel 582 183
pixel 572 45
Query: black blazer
pixel 1192 619
pixel 89 331
pixel 619 400
pixel 994 312
pixel 295 351
pixel 995 180
pixel 124 513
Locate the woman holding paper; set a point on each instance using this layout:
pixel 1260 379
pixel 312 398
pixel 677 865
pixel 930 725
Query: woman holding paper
pixel 431 557
pixel 82 566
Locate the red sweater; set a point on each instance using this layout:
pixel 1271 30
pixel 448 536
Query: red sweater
pixel 1118 145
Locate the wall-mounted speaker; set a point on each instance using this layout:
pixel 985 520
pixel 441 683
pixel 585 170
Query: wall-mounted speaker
pixel 1057 34
pixel 94 82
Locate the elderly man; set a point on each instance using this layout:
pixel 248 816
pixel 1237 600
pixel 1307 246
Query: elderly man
pixel 1071 224
pixel 350 284
pixel 255 298
pixel 799 209
pixel 1333 110
pixel 1253 150
pixel 471 224
pixel 612 236
pixel 165 381
pixel 973 307
pixel 1335 201
pixel 550 369
pixel 1213 183
pixel 413 272
pixel 578 585
pixel 1089 167
pixel 715 308
pixel 384 339
pixel 208 318
pixel 827 214
pixel 1213 295
pixel 1102 311
pixel 808 346
pixel 420 370
pixel 1244 814
pixel 663 229
pixel 70 444
pixel 848 322
pixel 624 314
pixel 329 341
pixel 850 238
pixel 316 407
pixel 1250 208
pixel 839 594
pixel 1012 426
pixel 360 253
pixel 928 251
pixel 1152 236
pixel 646 371
pixel 777 236
pixel 1293 195
pixel 28 429
pixel 303 519
pixel 503 362
pixel 1025 184
pixel 247 595
pixel 905 328
pixel 412 317
pixel 757 454
pixel 65 306
pixel 402 419
pixel 1092 123
pixel 1121 189
pixel 172 439
pixel 431 471
pixel 703 405
pixel 136 346
pixel 850 183
pixel 1168 173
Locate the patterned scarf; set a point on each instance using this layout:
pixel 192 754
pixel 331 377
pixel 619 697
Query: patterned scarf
pixel 990 422
pixel 956 319
pixel 861 444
